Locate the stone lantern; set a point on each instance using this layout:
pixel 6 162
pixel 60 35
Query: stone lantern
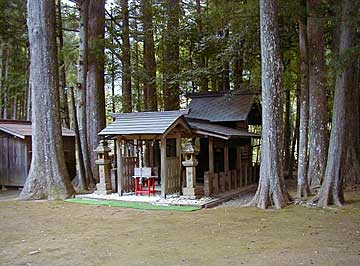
pixel 104 164
pixel 190 164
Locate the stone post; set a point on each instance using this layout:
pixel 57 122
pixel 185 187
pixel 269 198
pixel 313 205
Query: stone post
pixel 104 164
pixel 190 164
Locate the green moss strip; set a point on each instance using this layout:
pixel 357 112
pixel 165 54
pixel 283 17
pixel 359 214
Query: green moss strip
pixel 134 205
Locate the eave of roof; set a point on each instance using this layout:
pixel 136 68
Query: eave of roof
pixel 22 130
pixel 203 127
pixel 145 123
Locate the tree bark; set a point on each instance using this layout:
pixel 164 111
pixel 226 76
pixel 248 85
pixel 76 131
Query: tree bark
pixel 126 60
pixel 95 92
pixel 271 190
pixel 48 177
pixel 331 191
pixel 64 110
pixel 81 111
pixel 303 189
pixel 171 69
pixel 150 97
pixel 81 173
pixel 318 119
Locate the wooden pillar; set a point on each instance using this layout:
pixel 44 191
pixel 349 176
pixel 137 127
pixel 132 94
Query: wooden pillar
pixel 119 163
pixel 178 154
pixel 226 157
pixel 227 175
pixel 211 155
pixel 163 168
pixel 208 176
pixel 238 164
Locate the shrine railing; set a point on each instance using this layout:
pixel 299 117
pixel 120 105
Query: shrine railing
pixel 215 183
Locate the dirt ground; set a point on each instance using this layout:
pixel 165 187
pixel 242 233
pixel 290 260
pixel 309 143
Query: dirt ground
pixel 59 233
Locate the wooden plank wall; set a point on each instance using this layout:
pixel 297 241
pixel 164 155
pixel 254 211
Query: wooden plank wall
pixel 13 161
pixel 173 175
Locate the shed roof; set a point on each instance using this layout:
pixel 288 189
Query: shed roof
pixel 23 129
pixel 143 123
pixel 222 107
pixel 206 128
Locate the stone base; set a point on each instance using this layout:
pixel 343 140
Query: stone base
pixel 103 189
pixel 191 193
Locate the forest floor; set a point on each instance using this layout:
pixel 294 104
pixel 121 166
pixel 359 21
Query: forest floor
pixel 60 233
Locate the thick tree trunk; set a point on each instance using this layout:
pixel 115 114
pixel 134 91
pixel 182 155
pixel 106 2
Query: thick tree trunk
pixel 171 69
pixel 48 177
pixel 81 111
pixel 318 136
pixel 303 188
pixel 64 110
pixel 95 92
pixel 271 190
pixel 126 62
pixel 331 191
pixel 150 97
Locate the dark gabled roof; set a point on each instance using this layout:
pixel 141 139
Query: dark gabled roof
pixel 143 123
pixel 222 107
pixel 23 129
pixel 206 128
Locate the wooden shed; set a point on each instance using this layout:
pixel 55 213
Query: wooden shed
pixel 15 151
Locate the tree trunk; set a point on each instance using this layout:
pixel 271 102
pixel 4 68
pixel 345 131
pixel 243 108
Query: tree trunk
pixel 95 92
pixel 318 136
pixel 81 173
pixel 82 88
pixel 171 69
pixel 64 110
pixel 48 177
pixel 295 139
pixel 5 88
pixel 331 191
pixel 204 81
pixel 271 190
pixel 150 97
pixel 287 133
pixel 238 65
pixel 303 188
pixel 126 62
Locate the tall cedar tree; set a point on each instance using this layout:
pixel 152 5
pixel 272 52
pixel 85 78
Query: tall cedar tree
pixel 331 191
pixel 303 187
pixel 48 177
pixel 126 61
pixel 95 92
pixel 318 134
pixel 150 97
pixel 81 112
pixel 171 85
pixel 271 190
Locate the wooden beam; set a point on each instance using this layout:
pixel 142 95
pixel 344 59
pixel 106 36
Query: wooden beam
pixel 163 168
pixel 119 167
